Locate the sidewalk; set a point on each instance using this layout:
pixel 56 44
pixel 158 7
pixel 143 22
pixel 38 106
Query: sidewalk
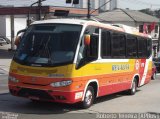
pixel 5 58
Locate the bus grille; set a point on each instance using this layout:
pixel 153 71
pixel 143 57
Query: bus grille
pixel 25 92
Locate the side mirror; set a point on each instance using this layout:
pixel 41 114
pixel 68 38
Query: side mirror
pixel 91 41
pixel 21 31
pixel 90 51
pixel 87 40
pixel 17 40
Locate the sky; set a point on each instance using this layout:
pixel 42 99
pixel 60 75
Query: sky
pixel 139 4
pixel 29 2
pixel 131 4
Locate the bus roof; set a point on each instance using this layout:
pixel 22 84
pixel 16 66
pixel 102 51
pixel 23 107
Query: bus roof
pixel 64 21
pixel 79 22
pixel 92 22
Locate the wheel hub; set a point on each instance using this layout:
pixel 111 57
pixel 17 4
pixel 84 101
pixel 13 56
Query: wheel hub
pixel 88 98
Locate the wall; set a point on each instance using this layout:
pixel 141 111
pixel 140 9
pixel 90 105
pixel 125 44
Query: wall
pixel 19 23
pixel 106 7
pixel 3 25
pixel 96 3
pixel 113 5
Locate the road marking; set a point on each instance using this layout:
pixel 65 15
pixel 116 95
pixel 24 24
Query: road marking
pixel 2 72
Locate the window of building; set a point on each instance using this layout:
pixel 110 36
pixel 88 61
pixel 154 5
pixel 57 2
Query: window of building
pixel 156 29
pixel 149 28
pixel 141 28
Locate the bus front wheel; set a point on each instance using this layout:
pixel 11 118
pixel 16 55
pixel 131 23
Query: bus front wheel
pixel 88 98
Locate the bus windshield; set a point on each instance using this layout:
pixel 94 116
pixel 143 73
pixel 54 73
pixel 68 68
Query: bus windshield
pixel 48 44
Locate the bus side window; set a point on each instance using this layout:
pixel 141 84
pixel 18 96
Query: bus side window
pixel 131 46
pixel 91 51
pixel 149 48
pixel 142 47
pixel 105 44
pixel 88 53
pixel 118 45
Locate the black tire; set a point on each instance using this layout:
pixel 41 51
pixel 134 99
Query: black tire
pixel 88 98
pixel 36 101
pixel 154 76
pixel 133 89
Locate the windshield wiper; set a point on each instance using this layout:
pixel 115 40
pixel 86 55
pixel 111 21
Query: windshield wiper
pixel 48 49
pixel 43 49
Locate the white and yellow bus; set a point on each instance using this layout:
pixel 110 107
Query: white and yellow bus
pixel 70 61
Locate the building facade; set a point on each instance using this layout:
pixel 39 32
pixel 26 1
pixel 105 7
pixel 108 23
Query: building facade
pixel 109 6
pixel 5 24
pixel 94 4
pixel 13 19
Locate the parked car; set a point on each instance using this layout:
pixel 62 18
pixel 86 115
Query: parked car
pixel 157 64
pixel 154 71
pixel 7 40
pixel 4 40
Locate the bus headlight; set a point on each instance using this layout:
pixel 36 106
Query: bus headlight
pixel 60 84
pixel 13 79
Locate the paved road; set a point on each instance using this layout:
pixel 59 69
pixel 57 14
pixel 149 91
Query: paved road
pixel 3 81
pixel 146 100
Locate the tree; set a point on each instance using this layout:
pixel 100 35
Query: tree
pixel 148 11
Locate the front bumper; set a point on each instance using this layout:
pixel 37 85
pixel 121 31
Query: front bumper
pixel 45 95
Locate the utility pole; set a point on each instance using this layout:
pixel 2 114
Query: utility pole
pixel 159 39
pixel 39 6
pixel 39 2
pixel 88 15
pixel 12 32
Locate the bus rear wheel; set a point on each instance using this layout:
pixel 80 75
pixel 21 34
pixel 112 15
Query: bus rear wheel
pixel 88 98
pixel 133 89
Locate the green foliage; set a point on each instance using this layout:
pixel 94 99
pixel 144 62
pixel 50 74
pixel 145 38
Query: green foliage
pixel 148 11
